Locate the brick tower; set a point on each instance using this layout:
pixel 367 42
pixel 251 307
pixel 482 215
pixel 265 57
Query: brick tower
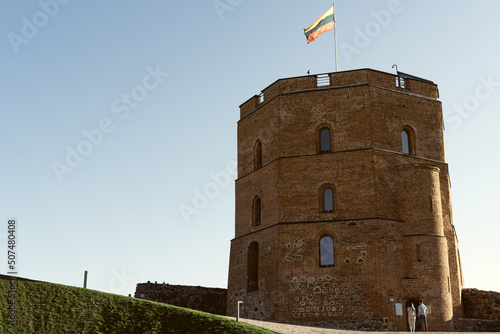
pixel 343 211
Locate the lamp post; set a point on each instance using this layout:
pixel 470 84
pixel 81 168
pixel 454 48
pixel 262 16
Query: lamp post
pixel 238 310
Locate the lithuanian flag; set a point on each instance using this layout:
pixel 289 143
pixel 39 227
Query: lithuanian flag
pixel 325 23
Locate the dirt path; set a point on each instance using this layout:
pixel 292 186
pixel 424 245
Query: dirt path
pixel 297 329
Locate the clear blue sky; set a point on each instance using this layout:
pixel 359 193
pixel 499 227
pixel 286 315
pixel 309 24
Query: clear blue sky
pixel 156 85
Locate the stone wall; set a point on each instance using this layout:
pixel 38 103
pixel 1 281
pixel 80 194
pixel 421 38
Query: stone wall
pixel 211 300
pixel 481 311
pixel 480 304
pixel 477 325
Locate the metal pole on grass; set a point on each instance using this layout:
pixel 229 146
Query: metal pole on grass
pixel 85 279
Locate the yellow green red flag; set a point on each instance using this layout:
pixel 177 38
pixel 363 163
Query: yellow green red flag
pixel 325 23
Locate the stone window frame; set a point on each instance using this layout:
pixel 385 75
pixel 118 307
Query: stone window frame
pixel 410 134
pixel 256 211
pixel 320 254
pixel 257 155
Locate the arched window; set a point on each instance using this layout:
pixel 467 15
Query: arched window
pixel 256 212
pixel 408 140
pixel 328 200
pixel 405 140
pixel 258 155
pixel 253 267
pixel 326 255
pixel 324 140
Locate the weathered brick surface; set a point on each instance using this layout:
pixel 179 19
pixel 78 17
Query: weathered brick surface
pixel 212 300
pixel 386 204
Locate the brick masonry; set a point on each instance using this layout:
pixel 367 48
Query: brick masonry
pixel 212 300
pixel 394 240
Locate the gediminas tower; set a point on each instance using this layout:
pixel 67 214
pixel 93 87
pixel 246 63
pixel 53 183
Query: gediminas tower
pixel 343 210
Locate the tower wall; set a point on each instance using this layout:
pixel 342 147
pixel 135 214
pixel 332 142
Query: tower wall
pixel 426 248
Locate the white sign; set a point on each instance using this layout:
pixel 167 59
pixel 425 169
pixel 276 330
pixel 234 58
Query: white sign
pixel 399 309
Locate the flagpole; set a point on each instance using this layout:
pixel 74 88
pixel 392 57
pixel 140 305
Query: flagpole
pixel 335 38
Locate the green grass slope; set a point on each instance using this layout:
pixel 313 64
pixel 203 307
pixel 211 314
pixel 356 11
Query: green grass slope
pixel 46 308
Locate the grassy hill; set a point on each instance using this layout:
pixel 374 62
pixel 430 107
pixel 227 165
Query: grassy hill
pixel 46 308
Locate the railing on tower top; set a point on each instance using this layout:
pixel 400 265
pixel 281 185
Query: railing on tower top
pixel 323 80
